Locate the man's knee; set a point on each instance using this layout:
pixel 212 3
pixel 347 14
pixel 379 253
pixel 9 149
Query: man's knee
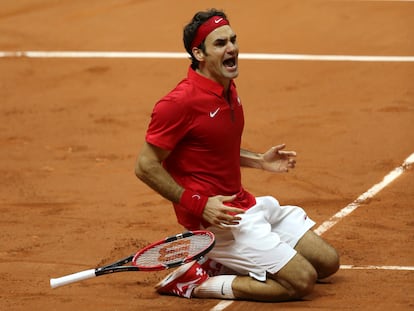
pixel 329 265
pixel 298 277
pixel 319 253
pixel 304 282
pixel 276 288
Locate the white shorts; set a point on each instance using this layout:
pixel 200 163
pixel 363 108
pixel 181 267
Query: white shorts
pixel 263 241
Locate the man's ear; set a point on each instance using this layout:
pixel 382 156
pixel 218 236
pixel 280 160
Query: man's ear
pixel 198 54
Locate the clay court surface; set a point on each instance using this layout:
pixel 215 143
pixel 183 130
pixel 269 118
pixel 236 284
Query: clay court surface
pixel 71 128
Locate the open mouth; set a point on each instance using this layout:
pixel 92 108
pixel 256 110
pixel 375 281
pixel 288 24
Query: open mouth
pixel 230 63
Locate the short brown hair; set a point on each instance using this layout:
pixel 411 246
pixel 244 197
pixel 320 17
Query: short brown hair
pixel 190 31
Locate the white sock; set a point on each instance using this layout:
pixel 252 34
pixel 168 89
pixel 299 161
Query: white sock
pixel 216 287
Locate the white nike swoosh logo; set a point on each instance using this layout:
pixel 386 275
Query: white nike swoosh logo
pixel 213 114
pixel 218 20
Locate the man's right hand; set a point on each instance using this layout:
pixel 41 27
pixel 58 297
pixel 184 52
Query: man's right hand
pixel 220 215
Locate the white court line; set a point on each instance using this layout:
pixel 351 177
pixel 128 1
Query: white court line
pixel 222 305
pixel 355 267
pixel 394 174
pixel 175 55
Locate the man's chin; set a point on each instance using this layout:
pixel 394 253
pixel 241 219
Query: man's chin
pixel 232 74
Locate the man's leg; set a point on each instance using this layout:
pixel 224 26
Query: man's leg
pixel 315 259
pixel 295 280
pixel 319 253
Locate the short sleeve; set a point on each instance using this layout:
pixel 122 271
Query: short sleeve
pixel 169 123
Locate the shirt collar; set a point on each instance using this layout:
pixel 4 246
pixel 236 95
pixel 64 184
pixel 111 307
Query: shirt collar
pixel 207 84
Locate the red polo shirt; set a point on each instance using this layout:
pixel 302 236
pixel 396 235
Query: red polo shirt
pixel 202 129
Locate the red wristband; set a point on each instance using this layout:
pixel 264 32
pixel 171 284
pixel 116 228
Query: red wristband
pixel 194 202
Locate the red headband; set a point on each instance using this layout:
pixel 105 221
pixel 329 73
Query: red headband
pixel 207 27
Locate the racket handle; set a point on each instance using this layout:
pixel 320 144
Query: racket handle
pixel 72 278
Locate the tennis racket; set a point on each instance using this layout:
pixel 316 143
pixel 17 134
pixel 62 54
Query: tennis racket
pixel 164 254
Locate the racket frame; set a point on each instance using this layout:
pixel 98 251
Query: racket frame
pixel 177 262
pixel 119 266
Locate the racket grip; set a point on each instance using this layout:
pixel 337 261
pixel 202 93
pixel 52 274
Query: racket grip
pixel 72 278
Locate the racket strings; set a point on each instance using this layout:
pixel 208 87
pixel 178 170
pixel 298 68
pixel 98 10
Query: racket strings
pixel 174 251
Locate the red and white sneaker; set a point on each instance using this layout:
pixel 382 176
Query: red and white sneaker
pixel 183 280
pixel 212 267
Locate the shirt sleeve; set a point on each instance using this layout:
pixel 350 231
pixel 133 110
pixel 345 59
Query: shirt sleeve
pixel 169 123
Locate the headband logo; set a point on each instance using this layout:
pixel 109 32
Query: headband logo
pixel 208 26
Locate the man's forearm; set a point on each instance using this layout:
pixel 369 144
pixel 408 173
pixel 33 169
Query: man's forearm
pixel 157 178
pixel 251 159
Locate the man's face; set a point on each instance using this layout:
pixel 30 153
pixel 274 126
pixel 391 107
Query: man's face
pixel 221 57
